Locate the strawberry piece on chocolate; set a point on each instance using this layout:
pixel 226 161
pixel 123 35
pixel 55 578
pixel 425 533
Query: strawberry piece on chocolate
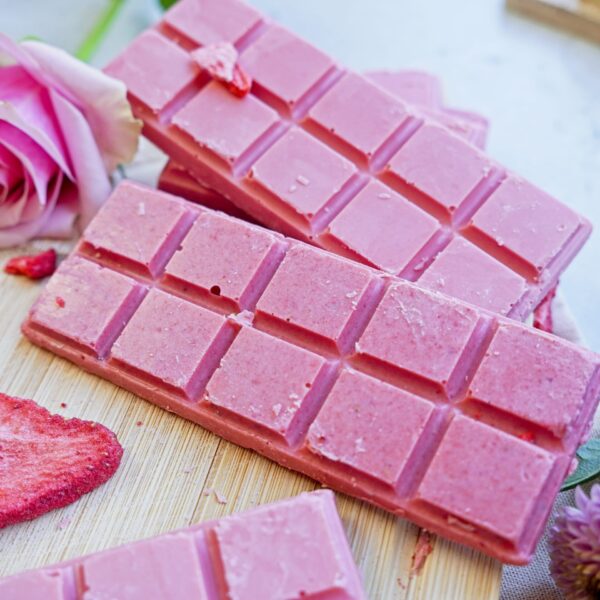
pixel 241 83
pixel 47 461
pixel 220 61
pixel 35 266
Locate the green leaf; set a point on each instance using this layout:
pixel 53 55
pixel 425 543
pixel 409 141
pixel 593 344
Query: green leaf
pixel 588 467
pixel 99 30
pixel 166 3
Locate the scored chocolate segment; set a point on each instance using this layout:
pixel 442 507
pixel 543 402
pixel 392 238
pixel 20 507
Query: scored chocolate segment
pixel 239 148
pixel 35 585
pixel 173 70
pixel 164 223
pixel 420 340
pixel 179 349
pixel 490 285
pixel 213 119
pixel 151 567
pixel 305 188
pixel 264 553
pixel 382 228
pixel 369 119
pixel 205 22
pixel 475 466
pixel 349 375
pixel 317 300
pixel 371 427
pixel 415 87
pixel 527 224
pixel 268 61
pixel 555 388
pixel 326 564
pixel 226 262
pixel 86 304
pixel 283 405
pixel 462 178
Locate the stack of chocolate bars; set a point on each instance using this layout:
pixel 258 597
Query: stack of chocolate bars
pixel 358 315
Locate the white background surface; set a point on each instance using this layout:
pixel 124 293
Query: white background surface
pixel 540 87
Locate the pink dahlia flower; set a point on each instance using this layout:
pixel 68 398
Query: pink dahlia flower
pixel 575 547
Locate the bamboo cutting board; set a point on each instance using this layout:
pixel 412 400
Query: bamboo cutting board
pixel 170 473
pixel 581 17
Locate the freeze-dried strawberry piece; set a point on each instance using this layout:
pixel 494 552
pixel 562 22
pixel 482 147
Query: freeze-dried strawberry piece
pixel 220 61
pixel 542 315
pixel 241 84
pixel 34 266
pixel 47 461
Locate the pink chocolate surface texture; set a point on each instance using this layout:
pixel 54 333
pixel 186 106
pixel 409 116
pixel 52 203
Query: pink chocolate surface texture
pixel 424 91
pixel 419 88
pixel 294 548
pixel 415 87
pixel 296 153
pixel 363 381
pixel 175 179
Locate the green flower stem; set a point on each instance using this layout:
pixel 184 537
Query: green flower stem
pixel 90 44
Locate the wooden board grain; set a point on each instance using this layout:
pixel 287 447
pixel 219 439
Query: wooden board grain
pixel 581 17
pixel 169 466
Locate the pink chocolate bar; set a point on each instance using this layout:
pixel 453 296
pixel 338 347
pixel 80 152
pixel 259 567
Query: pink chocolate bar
pixel 295 548
pixel 414 87
pixel 460 420
pixel 329 157
pixel 419 88
pixel 175 179
pixel 424 92
pixel 468 124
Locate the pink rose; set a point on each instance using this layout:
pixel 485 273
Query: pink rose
pixel 64 127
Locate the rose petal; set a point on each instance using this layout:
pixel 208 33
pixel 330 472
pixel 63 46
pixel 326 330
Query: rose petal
pixel 23 204
pixel 8 161
pixel 9 198
pixel 61 222
pixel 57 117
pixel 43 138
pixel 92 181
pixel 11 211
pixel 33 210
pixel 11 172
pixel 102 99
pixel 14 53
pixel 12 236
pixel 30 100
pixel 34 159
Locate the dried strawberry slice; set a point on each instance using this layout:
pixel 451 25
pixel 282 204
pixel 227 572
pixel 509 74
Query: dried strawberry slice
pixel 241 84
pixel 47 461
pixel 34 266
pixel 221 62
